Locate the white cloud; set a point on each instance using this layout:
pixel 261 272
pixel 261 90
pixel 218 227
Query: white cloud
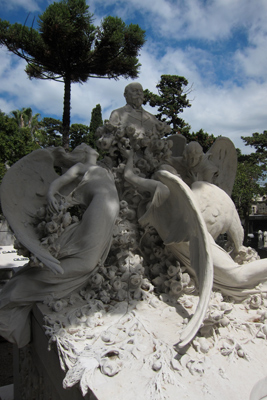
pixel 231 112
pixel 253 60
pixel 43 95
pixel 28 5
pixel 191 19
pixel 227 109
pixel 223 108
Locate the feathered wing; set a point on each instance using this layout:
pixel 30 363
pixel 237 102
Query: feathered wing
pixel 23 192
pixel 178 220
pixel 223 154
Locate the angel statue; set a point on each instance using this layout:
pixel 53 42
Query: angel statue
pixel 174 214
pixel 188 221
pixel 65 250
pixel 217 166
pixel 211 178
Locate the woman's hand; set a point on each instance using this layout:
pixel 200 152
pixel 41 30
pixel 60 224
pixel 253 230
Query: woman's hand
pixel 127 153
pixel 52 203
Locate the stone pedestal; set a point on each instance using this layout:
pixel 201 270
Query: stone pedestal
pixel 229 362
pixel 37 372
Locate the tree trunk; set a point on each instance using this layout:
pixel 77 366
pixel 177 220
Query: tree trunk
pixel 66 113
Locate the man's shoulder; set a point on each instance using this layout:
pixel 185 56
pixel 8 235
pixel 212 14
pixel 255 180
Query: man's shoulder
pixel 126 108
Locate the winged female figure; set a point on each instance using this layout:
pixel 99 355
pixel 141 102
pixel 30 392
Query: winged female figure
pixel 81 245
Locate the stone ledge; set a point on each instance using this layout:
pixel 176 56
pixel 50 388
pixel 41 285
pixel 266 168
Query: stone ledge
pixel 37 371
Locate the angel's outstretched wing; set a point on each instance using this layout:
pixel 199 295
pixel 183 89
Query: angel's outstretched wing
pixel 23 192
pixel 223 154
pixel 178 219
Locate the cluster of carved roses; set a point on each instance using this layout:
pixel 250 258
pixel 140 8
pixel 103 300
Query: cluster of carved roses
pixel 50 226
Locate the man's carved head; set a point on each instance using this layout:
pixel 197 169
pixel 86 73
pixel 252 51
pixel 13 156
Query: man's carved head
pixel 134 94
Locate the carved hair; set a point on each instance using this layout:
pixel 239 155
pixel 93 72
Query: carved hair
pixel 193 147
pixel 82 151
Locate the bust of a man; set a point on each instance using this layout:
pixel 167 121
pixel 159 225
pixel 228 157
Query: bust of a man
pixel 133 114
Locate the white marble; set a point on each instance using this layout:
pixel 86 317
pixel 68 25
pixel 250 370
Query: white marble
pixel 144 239
pixel 64 250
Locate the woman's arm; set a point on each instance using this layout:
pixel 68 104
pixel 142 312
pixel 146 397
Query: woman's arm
pixel 59 183
pixel 148 185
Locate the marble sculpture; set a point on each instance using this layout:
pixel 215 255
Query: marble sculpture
pixel 152 204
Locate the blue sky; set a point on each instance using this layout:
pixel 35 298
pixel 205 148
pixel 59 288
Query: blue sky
pixel 219 46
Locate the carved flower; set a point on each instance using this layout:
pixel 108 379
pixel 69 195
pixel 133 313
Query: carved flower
pixel 158 252
pixel 117 285
pixel 196 367
pixel 104 296
pixel 123 204
pixel 135 281
pixel 157 365
pixel 255 301
pixel 202 344
pixel 51 227
pixel 105 142
pixel 66 220
pixel 159 280
pixel 158 144
pixel 142 164
pixel 96 280
pixel 110 367
pixel 155 269
pixel 119 133
pixel 130 130
pixel 185 279
pixel 145 142
pixel 176 288
pixel 172 270
pixel 122 294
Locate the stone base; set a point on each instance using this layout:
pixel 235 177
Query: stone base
pixel 37 371
pixel 227 362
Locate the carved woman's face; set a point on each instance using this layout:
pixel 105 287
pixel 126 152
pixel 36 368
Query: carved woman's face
pixel 193 159
pixel 193 154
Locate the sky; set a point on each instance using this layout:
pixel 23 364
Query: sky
pixel 219 46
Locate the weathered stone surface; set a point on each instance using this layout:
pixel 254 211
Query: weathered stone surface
pixel 144 305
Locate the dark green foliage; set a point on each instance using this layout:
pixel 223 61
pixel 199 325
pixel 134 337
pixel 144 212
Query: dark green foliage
pixel 96 120
pixel 15 142
pixel 68 47
pixel 203 138
pixel 259 142
pixel 49 133
pixel 25 118
pixel 80 133
pixel 251 172
pixel 170 100
pixel 246 188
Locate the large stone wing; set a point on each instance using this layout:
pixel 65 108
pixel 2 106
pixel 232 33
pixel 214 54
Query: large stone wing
pixel 223 154
pixel 23 192
pixel 185 225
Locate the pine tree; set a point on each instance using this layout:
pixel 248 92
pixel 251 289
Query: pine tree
pixel 170 100
pixel 96 121
pixel 67 47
